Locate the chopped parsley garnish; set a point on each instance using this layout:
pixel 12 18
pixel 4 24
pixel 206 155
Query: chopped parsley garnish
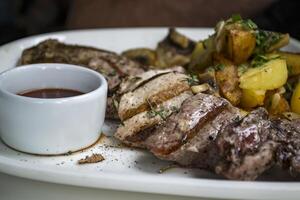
pixel 242 68
pixel 265 39
pixel 260 60
pixel 245 23
pixel 219 67
pixel 162 112
pixel 192 80
pixel 289 87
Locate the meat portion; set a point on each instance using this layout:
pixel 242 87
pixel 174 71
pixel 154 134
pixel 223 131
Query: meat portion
pixel 134 130
pixel 183 126
pixel 148 100
pixel 288 136
pixel 113 66
pixel 154 91
pixel 188 137
pixel 246 148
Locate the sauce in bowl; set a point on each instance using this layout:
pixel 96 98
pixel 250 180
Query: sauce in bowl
pixel 50 93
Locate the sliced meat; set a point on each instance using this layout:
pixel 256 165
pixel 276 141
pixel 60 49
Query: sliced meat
pixel 130 83
pixel 153 92
pixel 181 127
pixel 111 65
pixel 245 147
pixel 252 165
pixel 288 136
pixel 188 137
pixel 134 130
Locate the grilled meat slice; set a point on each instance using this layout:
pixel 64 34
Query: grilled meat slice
pixel 130 83
pixel 246 148
pixel 111 65
pixel 153 91
pixel 136 129
pixel 188 137
pixel 288 136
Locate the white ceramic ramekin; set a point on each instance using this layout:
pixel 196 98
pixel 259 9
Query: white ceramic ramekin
pixel 51 126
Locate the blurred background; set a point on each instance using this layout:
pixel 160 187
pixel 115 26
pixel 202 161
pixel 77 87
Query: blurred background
pixel 21 18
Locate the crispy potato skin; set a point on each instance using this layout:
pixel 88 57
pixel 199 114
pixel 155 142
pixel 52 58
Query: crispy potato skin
pixel 227 80
pixel 295 101
pixel 240 45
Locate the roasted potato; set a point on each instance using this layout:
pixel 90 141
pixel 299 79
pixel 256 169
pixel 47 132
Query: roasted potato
pixel 252 98
pixel 227 79
pixel 240 45
pixel 271 75
pixel 292 61
pixel 295 101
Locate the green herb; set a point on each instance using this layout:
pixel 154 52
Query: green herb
pixel 290 69
pixel 245 23
pixel 219 67
pixel 260 60
pixel 242 68
pixel 236 18
pixel 161 112
pixel 192 80
pixel 289 87
pixel 248 23
pixel 265 39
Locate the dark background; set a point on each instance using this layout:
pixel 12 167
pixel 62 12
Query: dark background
pixel 21 18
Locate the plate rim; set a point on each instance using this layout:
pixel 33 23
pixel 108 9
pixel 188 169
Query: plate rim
pixel 206 186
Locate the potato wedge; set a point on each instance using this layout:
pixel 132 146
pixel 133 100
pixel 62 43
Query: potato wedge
pixel 240 45
pixel 292 61
pixel 227 79
pixel 252 98
pixel 271 75
pixel 295 101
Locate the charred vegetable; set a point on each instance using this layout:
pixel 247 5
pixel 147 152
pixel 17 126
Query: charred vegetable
pixel 175 49
pixel 144 56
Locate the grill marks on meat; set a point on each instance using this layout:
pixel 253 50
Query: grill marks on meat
pixel 134 126
pixel 113 66
pixel 188 137
pixel 154 92
pixel 183 126
pixel 149 99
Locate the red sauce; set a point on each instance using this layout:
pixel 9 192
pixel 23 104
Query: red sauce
pixel 50 93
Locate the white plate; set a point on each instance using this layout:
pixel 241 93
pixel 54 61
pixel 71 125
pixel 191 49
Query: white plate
pixel 130 169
